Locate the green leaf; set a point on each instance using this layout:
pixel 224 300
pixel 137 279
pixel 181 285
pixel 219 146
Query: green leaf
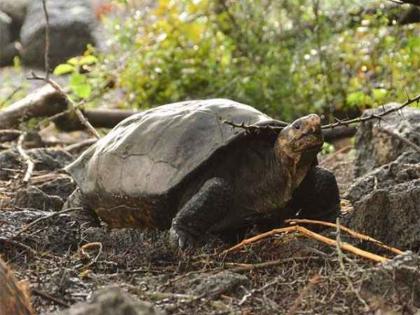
pixel 80 86
pixel 83 90
pixel 73 61
pixel 356 98
pixel 63 69
pixel 379 94
pixel 87 60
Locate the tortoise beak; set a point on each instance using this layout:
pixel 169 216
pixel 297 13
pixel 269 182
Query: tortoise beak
pixel 310 141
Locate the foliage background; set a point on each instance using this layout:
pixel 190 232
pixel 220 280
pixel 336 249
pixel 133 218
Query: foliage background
pixel 283 57
pixel 287 58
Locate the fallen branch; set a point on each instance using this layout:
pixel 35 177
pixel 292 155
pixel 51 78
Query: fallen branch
pixel 267 264
pixel 43 102
pixel 29 163
pixel 99 118
pixel 352 233
pixel 305 232
pixel 48 102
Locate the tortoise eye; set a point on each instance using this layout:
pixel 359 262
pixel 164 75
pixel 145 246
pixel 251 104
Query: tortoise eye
pixel 296 125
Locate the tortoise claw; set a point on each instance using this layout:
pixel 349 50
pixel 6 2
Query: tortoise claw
pixel 181 239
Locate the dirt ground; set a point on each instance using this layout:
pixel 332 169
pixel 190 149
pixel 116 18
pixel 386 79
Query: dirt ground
pixel 64 261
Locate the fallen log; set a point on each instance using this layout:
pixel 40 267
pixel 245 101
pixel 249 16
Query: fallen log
pixel 99 118
pixel 46 102
pixel 43 102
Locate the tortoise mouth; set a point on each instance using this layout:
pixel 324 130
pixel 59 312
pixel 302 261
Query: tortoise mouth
pixel 309 142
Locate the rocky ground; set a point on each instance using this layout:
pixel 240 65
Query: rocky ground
pixel 74 269
pixel 66 263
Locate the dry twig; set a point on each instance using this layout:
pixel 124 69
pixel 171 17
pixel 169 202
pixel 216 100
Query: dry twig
pixel 71 103
pixel 352 233
pixel 309 234
pixel 10 96
pixel 49 297
pixel 303 293
pixel 341 257
pixel 29 163
pixel 267 264
pixel 79 145
pixel 84 255
pixel 54 214
pixel 47 40
pixel 372 116
pixel 346 123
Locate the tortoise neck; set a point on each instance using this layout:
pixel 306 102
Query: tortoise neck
pixel 295 166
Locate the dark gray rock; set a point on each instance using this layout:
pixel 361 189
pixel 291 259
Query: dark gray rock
pixel 396 282
pixel 112 301
pixel 5 36
pixel 45 160
pixel 374 147
pixel 386 202
pixel 71 30
pixel 16 9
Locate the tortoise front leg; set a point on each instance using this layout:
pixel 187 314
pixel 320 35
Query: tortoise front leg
pixel 206 208
pixel 317 197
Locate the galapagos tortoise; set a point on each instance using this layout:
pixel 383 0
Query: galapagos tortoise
pixel 179 166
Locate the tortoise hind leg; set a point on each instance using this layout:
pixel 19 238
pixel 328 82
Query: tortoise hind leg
pixel 317 197
pixel 206 208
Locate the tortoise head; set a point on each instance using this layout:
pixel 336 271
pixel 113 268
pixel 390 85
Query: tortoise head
pixel 302 137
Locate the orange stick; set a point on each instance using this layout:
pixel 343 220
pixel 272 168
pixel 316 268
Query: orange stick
pixel 351 232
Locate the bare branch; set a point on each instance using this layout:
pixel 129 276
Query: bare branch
pixel 345 123
pixel 373 116
pixel 47 40
pixel 72 104
pixel 30 164
pixel 9 97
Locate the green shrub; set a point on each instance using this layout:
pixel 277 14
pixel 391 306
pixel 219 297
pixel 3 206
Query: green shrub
pixel 283 57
